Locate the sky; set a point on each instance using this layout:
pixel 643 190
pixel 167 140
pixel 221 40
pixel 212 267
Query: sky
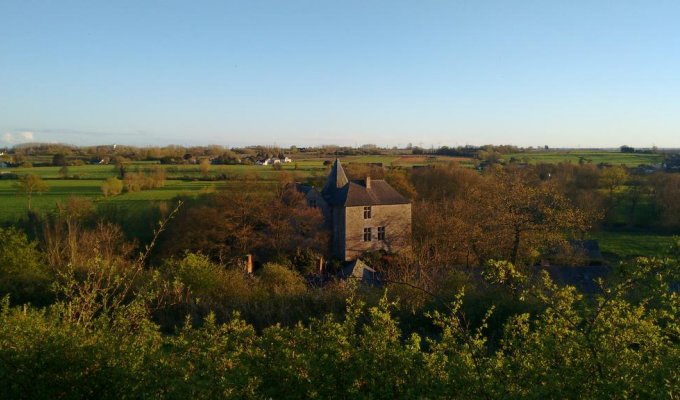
pixel 530 73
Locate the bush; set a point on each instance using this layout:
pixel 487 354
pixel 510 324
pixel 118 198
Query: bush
pixel 23 274
pixel 278 280
pixel 112 187
pixel 208 281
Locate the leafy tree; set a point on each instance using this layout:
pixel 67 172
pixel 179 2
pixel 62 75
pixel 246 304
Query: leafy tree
pixel 23 274
pixel 612 178
pixel 30 184
pixel 666 192
pixel 525 218
pixel 400 181
pixel 204 166
pixel 59 160
pixel 227 226
pixel 112 186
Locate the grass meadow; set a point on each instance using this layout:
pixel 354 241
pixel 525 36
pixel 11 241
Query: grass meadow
pixel 182 180
pixel 625 245
pixel 593 156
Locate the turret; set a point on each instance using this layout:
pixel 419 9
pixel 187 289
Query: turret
pixel 336 179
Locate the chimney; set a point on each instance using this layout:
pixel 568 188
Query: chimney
pixel 368 182
pixel 249 264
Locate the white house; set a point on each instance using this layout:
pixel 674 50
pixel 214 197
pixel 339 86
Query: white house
pixel 271 161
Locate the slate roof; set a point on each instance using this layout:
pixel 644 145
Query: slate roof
pixel 358 270
pixel 304 189
pixel 380 193
pixel 340 191
pixel 336 179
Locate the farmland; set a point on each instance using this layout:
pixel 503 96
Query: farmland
pixel 587 156
pixel 187 180
pixel 182 180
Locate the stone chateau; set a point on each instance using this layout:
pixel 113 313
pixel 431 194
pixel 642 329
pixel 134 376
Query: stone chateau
pixel 364 215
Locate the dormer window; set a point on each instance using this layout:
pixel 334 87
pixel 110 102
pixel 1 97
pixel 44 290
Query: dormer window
pixel 367 212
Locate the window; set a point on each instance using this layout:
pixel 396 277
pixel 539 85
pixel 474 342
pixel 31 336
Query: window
pixel 312 202
pixel 381 233
pixel 367 234
pixel 367 212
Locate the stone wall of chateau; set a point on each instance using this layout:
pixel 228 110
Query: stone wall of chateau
pixel 395 218
pixel 338 227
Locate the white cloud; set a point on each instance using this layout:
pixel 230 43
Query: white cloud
pixel 18 137
pixel 26 135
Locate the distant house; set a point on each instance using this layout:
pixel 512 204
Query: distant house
pixel 366 215
pixel 273 160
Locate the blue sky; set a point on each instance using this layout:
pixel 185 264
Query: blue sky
pixel 530 73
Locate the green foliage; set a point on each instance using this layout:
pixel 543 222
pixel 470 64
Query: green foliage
pixel 208 282
pixel 276 279
pixel 112 187
pixel 23 274
pixel 30 184
pixel 622 343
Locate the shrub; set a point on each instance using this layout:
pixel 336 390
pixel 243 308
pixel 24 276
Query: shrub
pixel 279 280
pixel 23 274
pixel 112 187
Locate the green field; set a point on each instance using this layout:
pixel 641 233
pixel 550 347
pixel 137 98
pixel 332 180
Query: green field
pixel 625 245
pixel 182 180
pixel 592 156
pixel 14 206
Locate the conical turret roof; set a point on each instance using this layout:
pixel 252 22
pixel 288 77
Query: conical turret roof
pixel 336 179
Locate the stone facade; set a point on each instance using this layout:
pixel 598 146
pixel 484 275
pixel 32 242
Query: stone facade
pixel 395 219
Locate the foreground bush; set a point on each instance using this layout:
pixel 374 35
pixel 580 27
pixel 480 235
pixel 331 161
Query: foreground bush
pixel 622 343
pixel 23 272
